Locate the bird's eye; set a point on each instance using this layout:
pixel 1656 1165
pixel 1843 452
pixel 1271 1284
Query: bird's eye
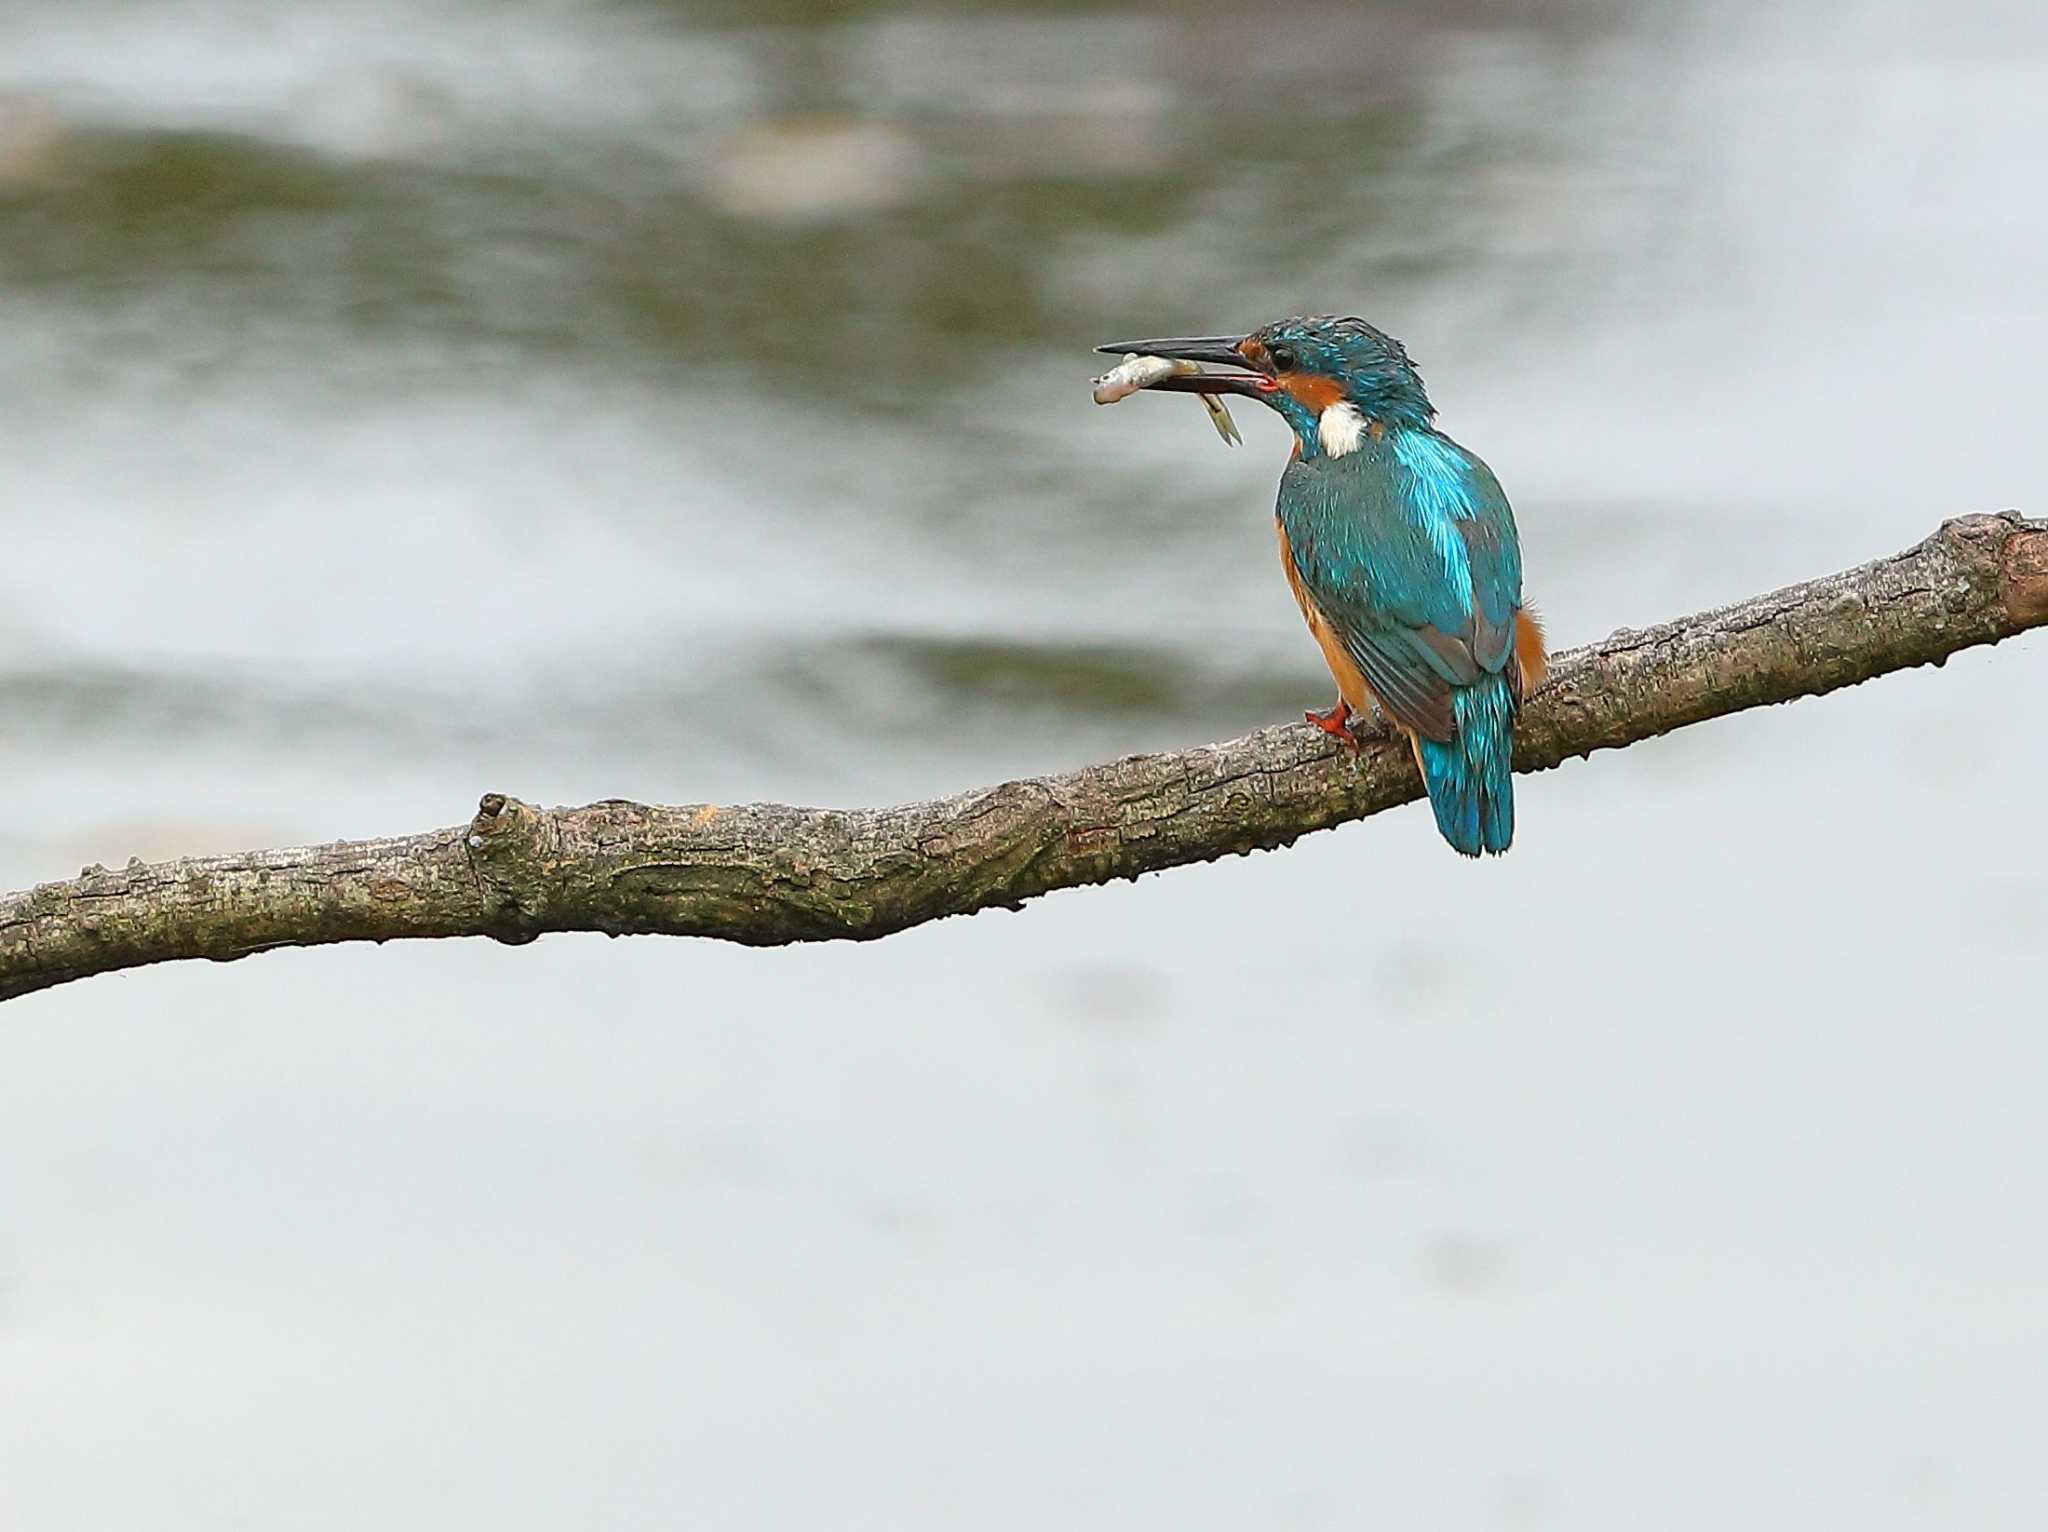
pixel 1282 358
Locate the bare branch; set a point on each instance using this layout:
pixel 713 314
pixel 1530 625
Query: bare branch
pixel 764 874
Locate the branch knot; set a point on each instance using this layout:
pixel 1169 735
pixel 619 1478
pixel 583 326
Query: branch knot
pixel 510 846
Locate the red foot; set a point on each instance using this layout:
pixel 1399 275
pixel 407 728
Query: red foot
pixel 1335 721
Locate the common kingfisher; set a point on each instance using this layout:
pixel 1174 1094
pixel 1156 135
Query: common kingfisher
pixel 1401 551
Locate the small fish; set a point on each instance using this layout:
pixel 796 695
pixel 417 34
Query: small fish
pixel 1135 372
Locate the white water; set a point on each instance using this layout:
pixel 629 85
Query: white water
pixel 1680 1171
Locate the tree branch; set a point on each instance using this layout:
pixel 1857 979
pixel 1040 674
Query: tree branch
pixel 765 874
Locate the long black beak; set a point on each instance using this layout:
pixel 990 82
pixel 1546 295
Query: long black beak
pixel 1192 348
pixel 1196 348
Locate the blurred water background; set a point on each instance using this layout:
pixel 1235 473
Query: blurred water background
pixel 685 402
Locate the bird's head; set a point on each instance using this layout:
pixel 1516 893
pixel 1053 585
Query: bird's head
pixel 1332 379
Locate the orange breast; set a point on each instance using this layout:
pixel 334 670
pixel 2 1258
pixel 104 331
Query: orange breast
pixel 1350 683
pixel 1530 656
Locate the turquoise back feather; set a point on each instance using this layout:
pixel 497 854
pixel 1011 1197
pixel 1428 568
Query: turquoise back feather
pixel 1408 548
pixel 1471 780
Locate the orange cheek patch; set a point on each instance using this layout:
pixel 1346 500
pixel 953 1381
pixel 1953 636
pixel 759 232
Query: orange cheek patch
pixel 1318 394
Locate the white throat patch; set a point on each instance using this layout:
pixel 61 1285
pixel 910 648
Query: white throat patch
pixel 1341 428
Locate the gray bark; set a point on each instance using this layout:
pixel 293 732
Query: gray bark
pixel 766 874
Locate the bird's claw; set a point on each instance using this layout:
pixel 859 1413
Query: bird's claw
pixel 1335 721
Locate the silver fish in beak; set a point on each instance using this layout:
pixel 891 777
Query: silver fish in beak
pixel 1136 372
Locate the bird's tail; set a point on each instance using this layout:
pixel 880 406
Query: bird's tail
pixel 1471 779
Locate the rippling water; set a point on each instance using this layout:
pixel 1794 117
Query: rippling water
pixel 687 402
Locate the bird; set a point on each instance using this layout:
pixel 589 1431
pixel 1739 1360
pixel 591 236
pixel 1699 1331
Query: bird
pixel 1401 550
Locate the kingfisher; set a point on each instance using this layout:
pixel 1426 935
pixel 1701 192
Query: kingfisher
pixel 1400 549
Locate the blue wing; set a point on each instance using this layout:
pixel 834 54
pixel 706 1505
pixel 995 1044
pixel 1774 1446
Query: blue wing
pixel 1408 548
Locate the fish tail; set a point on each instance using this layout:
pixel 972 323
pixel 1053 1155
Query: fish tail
pixel 1471 778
